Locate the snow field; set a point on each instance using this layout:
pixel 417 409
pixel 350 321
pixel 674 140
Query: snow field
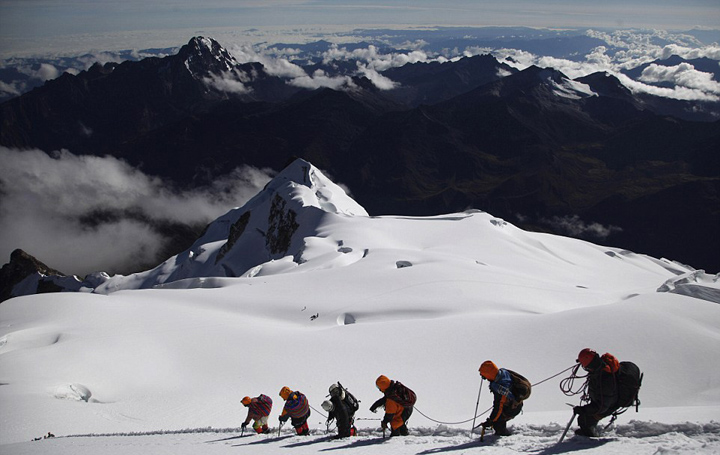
pixel 421 300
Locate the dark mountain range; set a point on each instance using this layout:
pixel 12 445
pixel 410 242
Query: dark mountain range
pixel 535 147
pixel 430 83
pixel 114 103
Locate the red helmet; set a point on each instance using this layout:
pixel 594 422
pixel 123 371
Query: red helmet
pixel 489 370
pixel 586 356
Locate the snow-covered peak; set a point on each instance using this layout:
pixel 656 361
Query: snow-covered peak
pixel 204 56
pixel 306 184
pixel 273 225
pixel 563 86
pixel 572 89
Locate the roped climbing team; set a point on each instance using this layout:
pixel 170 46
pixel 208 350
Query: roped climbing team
pixel 612 386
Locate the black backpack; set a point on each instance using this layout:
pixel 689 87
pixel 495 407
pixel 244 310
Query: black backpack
pixel 629 379
pixel 350 400
pixel 520 386
pixel 403 395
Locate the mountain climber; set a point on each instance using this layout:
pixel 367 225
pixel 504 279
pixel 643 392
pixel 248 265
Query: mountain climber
pixel 398 401
pixel 341 407
pixel 602 391
pixel 296 408
pixel 258 410
pixel 509 390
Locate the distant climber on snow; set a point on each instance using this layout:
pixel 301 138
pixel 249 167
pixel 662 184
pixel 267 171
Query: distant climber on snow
pixel 612 387
pixel 398 401
pixel 258 410
pixel 509 390
pixel 296 408
pixel 341 407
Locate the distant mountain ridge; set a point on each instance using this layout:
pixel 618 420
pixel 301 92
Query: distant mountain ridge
pixel 532 146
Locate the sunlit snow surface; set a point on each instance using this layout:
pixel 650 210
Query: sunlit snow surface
pixel 421 300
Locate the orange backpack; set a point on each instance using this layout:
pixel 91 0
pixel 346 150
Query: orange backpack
pixel 612 365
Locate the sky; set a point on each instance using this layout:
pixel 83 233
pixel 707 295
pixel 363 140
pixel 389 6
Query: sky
pixel 56 22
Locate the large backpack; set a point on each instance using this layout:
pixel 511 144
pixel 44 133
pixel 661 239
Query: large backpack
pixel 263 405
pixel 629 380
pixel 520 386
pixel 350 399
pixel 403 395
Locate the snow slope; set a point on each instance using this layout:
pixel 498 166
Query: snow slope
pixel 421 300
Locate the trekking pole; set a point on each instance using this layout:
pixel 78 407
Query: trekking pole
pixel 242 431
pixel 482 379
pixel 280 428
pixel 567 428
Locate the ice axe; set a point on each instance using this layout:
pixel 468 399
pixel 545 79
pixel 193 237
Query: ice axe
pixel 482 379
pixel 568 426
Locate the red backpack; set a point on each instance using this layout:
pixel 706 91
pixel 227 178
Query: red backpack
pixel 612 365
pixel 403 395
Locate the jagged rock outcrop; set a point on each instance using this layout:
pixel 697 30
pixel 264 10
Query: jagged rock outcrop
pixel 25 275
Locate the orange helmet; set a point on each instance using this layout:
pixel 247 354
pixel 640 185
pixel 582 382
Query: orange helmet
pixel 586 356
pixel 246 401
pixel 382 383
pixel 285 393
pixel 489 370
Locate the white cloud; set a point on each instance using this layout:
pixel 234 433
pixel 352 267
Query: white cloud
pixel 13 88
pixel 48 202
pixel 677 92
pixel 472 51
pixel 373 58
pixel 684 75
pixel 274 66
pixel 320 79
pixel 44 72
pixel 690 84
pixel 297 76
pixel 572 225
pixel 231 82
pixel 688 53
pixel 47 72
pixel 378 80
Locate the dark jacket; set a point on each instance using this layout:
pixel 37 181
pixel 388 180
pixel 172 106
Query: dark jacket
pixel 343 414
pixel 603 393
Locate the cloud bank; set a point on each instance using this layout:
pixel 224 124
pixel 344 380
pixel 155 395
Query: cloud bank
pixel 81 214
pixel 573 226
pixel 627 49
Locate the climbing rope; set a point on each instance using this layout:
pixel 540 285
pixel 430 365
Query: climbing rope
pixel 318 412
pixel 568 381
pixel 556 375
pixel 452 423
pixel 567 385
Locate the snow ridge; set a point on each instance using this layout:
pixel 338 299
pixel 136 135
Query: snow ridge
pixel 271 226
